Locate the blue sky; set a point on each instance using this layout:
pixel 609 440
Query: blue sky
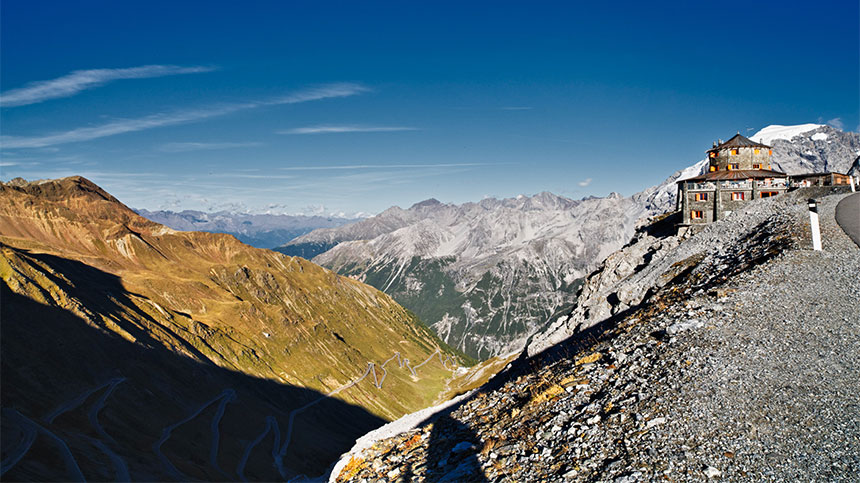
pixel 329 107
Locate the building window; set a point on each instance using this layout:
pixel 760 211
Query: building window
pixel 770 152
pixel 733 166
pixel 737 195
pixel 734 152
pixel 714 168
pixel 756 166
pixel 768 194
pixel 712 154
pixel 696 214
pixel 700 197
pixel 757 151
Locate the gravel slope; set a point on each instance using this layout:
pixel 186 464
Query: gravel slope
pixel 745 378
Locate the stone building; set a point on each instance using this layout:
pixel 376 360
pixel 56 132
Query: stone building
pixel 819 179
pixel 739 171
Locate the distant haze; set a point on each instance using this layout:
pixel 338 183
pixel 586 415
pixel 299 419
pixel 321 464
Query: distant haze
pixel 261 231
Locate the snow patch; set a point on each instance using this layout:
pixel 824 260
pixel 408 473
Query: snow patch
pixel 774 132
pixel 819 136
pixel 692 171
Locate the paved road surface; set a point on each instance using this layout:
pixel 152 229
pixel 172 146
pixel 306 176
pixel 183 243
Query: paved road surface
pixel 848 216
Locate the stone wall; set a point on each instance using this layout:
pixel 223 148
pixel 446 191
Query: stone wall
pixel 745 159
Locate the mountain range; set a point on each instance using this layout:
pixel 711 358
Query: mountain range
pixel 487 275
pixel 134 351
pixel 719 355
pixel 257 230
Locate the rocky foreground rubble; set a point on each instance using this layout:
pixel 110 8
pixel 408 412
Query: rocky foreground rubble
pixel 742 363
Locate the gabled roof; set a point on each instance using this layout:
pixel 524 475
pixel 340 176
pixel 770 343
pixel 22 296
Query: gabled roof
pixel 737 174
pixel 739 141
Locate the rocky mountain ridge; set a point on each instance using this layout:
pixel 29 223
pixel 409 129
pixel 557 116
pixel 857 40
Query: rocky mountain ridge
pixel 722 354
pixel 811 148
pixel 487 275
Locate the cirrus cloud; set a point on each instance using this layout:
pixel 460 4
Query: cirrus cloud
pixel 328 129
pixel 121 126
pixel 81 80
pixel 193 146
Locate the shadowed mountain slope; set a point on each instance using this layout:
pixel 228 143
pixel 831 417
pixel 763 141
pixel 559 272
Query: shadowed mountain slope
pixel 186 313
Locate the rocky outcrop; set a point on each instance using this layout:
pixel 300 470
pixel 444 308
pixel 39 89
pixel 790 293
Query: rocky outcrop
pixel 656 257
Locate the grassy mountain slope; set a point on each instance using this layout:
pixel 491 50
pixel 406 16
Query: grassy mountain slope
pixel 187 315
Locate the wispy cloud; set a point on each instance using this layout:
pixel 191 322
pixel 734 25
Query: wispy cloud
pixel 177 117
pixel 321 92
pixel 252 176
pixel 81 80
pixel 190 146
pixel 341 129
pixel 381 166
pixel 837 123
pixel 585 182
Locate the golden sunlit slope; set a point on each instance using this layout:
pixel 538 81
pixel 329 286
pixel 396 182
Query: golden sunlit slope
pixel 72 250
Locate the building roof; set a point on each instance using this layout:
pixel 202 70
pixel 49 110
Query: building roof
pixel 738 141
pixel 737 174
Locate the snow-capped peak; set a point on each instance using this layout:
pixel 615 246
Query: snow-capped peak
pixel 690 171
pixel 775 131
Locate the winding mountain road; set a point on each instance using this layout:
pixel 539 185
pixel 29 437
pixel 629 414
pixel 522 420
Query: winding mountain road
pixel 79 400
pixel 228 394
pixel 120 468
pixel 377 383
pixel 93 414
pixel 271 423
pixel 66 454
pixel 28 437
pixel 216 433
pixel 31 429
pixel 279 459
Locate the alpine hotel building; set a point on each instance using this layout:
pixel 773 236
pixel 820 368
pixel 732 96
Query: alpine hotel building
pixel 738 171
